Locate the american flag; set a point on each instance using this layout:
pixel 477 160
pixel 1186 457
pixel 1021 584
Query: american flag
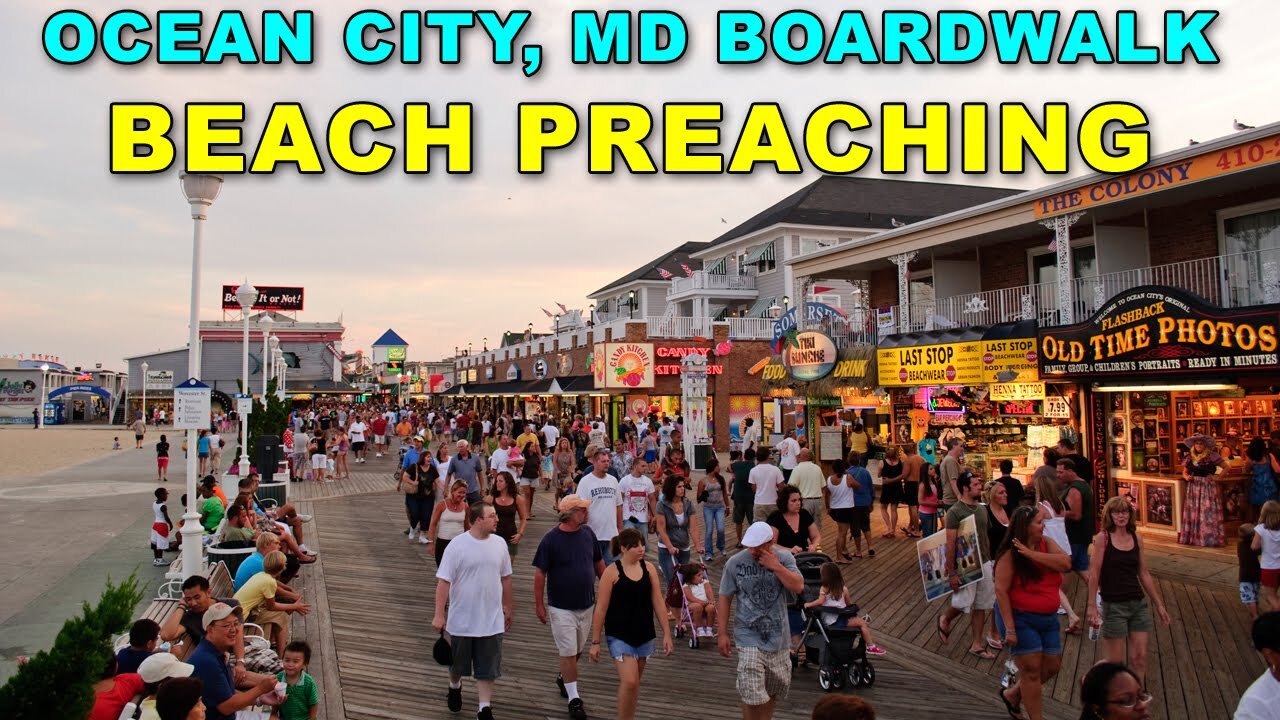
pixel 688 271
pixel 665 275
pixel 1053 244
pixel 546 312
pixel 563 309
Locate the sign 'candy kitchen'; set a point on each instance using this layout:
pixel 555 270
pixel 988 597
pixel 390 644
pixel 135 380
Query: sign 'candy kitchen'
pixel 1162 331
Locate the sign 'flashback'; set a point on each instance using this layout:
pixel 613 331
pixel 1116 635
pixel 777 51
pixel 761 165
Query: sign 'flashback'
pixel 1165 331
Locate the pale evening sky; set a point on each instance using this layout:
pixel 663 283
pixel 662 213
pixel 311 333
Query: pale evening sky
pixel 94 267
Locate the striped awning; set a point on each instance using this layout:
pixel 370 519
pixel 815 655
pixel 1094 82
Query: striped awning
pixel 719 267
pixel 761 308
pixel 759 253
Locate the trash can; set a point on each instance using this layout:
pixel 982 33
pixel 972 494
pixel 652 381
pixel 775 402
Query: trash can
pixel 702 455
pixel 267 455
pixel 277 492
pixel 231 557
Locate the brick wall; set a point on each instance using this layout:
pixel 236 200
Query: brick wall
pixel 883 284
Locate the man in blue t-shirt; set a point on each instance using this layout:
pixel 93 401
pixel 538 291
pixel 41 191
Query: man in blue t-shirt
pixel 864 496
pixel 567 563
pixel 465 466
pixel 222 627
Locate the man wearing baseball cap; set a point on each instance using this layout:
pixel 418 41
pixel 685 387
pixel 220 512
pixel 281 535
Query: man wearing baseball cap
pixel 761 577
pixel 567 564
pixel 222 625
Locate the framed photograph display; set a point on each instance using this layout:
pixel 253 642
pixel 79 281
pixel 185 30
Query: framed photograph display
pixel 1182 408
pixel 1197 408
pixel 1158 504
pixel 1131 491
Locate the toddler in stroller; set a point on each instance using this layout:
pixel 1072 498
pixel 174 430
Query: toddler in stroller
pixel 834 633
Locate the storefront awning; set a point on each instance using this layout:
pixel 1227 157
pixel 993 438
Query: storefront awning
pixel 759 253
pixel 761 308
pixel 719 267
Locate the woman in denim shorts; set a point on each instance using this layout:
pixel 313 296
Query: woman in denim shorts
pixel 1118 570
pixel 630 597
pixel 1028 576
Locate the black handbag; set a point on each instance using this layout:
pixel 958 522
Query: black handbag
pixel 442 652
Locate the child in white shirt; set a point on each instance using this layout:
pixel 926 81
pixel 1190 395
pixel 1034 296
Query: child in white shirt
pixel 835 595
pixel 701 601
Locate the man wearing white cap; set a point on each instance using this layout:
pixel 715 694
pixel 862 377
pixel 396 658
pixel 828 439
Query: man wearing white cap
pixel 222 625
pixel 760 577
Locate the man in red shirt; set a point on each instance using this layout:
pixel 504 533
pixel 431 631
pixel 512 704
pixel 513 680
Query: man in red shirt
pixel 379 427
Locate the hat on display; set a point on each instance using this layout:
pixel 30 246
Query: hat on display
pixel 758 534
pixel 162 666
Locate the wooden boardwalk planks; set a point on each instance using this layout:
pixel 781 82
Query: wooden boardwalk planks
pixel 374 591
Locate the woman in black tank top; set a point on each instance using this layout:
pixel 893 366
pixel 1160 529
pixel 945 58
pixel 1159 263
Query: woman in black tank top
pixel 1118 571
pixel 630 597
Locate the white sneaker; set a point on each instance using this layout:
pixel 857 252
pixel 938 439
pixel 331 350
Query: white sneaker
pixel 159 562
pixel 305 518
pixel 307 550
pixel 413 534
pixel 424 540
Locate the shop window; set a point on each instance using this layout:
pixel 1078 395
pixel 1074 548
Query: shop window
pixel 1084 264
pixel 1250 240
pixel 812 245
pixel 831 299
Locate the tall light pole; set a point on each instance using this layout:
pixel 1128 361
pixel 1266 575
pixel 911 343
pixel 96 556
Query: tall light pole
pixel 44 372
pixel 200 191
pixel 265 323
pixel 246 295
pixel 145 368
pixel 280 372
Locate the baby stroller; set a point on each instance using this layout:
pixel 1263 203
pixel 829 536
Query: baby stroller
pixel 677 601
pixel 841 651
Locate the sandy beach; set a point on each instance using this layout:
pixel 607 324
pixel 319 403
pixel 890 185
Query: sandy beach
pixel 28 453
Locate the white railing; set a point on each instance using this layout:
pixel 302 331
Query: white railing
pixel 702 280
pixel 745 328
pixel 1230 281
pixel 678 327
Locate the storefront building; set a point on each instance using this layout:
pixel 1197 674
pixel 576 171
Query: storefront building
pixel 576 373
pixel 312 353
pixel 1153 299
pixel 64 394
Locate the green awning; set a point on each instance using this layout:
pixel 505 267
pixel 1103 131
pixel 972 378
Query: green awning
pixel 761 308
pixel 719 267
pixel 759 253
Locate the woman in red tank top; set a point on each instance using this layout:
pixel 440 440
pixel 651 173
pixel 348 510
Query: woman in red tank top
pixel 1028 575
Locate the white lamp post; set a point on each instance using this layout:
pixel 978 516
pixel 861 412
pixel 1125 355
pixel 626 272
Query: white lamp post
pixel 44 371
pixel 145 368
pixel 273 348
pixel 246 295
pixel 200 191
pixel 265 323
pixel 281 368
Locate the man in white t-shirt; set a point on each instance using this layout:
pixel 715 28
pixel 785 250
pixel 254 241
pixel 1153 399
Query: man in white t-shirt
pixel 638 494
pixel 788 454
pixel 498 461
pixel 474 583
pixel 664 435
pixel 1261 700
pixel 357 432
pixel 765 478
pixel 750 436
pixel 605 516
pixel 551 434
pixel 597 433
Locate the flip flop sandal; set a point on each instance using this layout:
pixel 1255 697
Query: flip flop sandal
pixel 995 644
pixel 1014 711
pixel 856 555
pixel 983 654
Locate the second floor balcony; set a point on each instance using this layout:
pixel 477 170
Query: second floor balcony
pixel 1229 281
pixel 705 284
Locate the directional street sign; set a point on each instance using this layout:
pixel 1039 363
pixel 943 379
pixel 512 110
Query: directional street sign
pixel 192 401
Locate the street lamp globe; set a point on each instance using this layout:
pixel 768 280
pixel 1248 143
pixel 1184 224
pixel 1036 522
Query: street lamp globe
pixel 246 294
pixel 274 342
pixel 266 322
pixel 44 367
pixel 775 311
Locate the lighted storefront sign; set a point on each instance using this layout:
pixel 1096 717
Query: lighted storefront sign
pixel 943 364
pixel 677 368
pixel 1162 331
pixel 1010 361
pixel 1017 391
pixel 811 357
pixel 288 299
pixel 623 365
pixel 539 369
